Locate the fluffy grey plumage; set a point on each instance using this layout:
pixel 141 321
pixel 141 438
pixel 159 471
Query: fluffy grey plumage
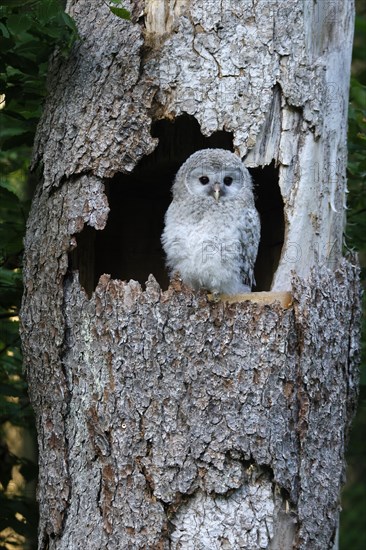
pixel 212 228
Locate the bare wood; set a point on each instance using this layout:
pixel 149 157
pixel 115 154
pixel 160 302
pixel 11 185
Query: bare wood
pixel 283 298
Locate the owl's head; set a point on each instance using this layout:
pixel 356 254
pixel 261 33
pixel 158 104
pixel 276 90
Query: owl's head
pixel 215 174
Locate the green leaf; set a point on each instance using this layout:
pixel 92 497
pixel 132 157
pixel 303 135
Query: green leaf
pixel 11 282
pixel 6 43
pixel 47 9
pixel 121 12
pixel 69 22
pixel 18 23
pixel 22 63
pixel 12 126
pixel 4 31
pixel 16 3
pixel 17 141
pixel 11 209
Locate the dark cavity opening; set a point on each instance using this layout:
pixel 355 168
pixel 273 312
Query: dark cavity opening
pixel 270 206
pixel 129 247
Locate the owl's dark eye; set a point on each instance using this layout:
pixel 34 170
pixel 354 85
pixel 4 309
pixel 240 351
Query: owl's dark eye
pixel 228 180
pixel 204 180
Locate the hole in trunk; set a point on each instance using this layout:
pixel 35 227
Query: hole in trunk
pixel 270 206
pixel 129 247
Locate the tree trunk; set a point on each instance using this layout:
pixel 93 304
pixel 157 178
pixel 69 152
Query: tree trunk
pixel 165 419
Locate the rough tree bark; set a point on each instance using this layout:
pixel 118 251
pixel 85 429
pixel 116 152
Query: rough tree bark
pixel 166 420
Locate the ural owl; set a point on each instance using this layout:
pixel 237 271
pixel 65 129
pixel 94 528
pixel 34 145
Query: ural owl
pixel 212 228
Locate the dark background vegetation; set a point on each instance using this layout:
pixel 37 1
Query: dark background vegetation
pixel 353 524
pixel 29 31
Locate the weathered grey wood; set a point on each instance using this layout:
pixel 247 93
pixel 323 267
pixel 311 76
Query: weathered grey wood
pixel 166 420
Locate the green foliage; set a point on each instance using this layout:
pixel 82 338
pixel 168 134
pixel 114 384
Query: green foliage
pixel 28 33
pixel 356 228
pixel 14 401
pixel 352 526
pixel 120 12
pixel 356 220
pixel 358 59
pixel 18 512
pixel 353 531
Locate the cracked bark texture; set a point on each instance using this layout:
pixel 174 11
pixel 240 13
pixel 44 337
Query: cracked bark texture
pixel 166 420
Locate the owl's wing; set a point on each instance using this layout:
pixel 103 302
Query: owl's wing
pixel 173 238
pixel 249 237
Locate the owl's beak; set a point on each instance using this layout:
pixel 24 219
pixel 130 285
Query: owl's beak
pixel 216 191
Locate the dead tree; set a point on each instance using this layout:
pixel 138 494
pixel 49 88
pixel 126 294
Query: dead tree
pixel 166 420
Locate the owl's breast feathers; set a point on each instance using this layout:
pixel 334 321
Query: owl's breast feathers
pixel 212 245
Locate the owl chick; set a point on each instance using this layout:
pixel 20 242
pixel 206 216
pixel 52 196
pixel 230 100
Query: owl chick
pixel 212 228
